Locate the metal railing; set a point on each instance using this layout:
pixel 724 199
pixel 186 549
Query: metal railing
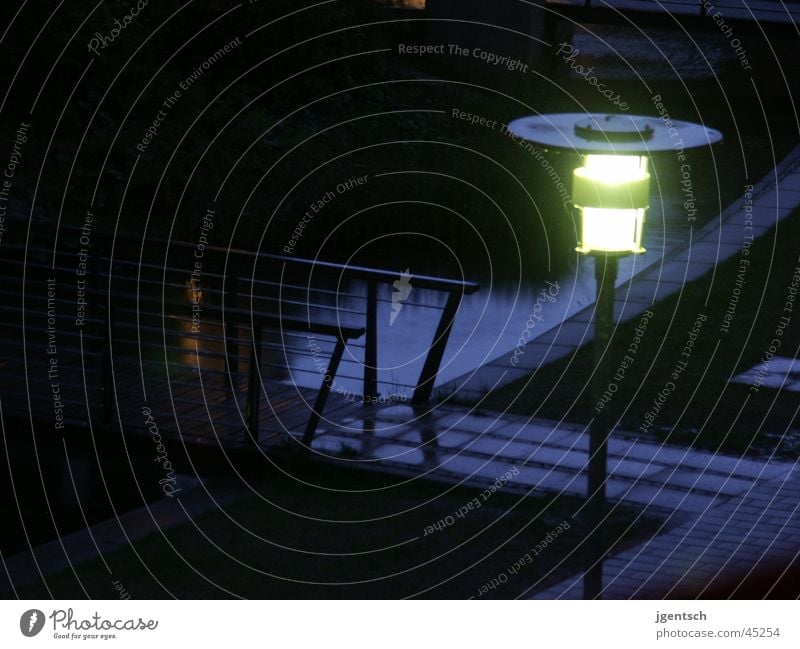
pixel 372 278
pixel 133 295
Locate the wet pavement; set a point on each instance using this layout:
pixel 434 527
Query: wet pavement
pixel 722 550
pixel 462 447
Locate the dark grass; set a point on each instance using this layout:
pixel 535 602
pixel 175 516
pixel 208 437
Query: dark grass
pixel 705 410
pixel 281 551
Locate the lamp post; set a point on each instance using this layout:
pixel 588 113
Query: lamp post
pixel 611 192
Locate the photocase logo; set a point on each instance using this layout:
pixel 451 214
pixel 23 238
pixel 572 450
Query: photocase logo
pixel 402 289
pixel 31 622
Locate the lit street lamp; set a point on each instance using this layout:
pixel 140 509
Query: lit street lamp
pixel 611 192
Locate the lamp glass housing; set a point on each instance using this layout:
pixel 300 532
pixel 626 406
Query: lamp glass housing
pixel 611 192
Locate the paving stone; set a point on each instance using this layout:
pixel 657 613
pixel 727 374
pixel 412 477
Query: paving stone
pixel 653 290
pixel 773 472
pixel 701 480
pixel 463 422
pixel 526 434
pixel 729 546
pixel 737 232
pixel 390 431
pixel 570 334
pixel 784 544
pixel 639 578
pixel 616 485
pixel 768 216
pixel 333 444
pixel 551 480
pixel 464 465
pixel 631 468
pixel 786 195
pixel 623 584
pixel 560 457
pixel 787 518
pixel 464 395
pixel 490 470
pixel 399 454
pixel 706 530
pixel 500 447
pixel 533 433
pixel 684 271
pixel 767 529
pixel 418 437
pixel 724 464
pixel 621 447
pixel 664 497
pixel 740 507
pixel 707 251
pixel 747 467
pixel 451 439
pixel 716 236
pixel 572 441
pixel 625 309
pixel 693 546
pixel 658 453
pixel 533 356
pixel 628 309
pixel 398 414
pixel 489 377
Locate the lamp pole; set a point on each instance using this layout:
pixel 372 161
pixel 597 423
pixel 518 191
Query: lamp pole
pixel 611 192
pixel 605 272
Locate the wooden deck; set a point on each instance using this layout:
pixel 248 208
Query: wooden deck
pixel 199 407
pixel 193 405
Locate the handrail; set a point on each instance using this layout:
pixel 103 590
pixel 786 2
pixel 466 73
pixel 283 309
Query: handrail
pixel 380 275
pixel 231 280
pixel 383 276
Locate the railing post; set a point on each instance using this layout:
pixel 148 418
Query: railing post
pixel 104 398
pixel 371 344
pixel 324 391
pixel 434 359
pixel 254 386
pixel 99 318
pixel 231 328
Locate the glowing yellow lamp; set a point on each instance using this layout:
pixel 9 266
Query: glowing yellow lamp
pixel 612 193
